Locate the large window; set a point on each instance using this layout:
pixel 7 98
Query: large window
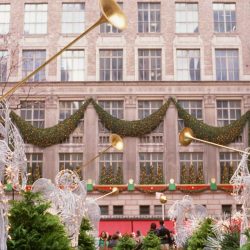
pixel 151 159
pixel 112 161
pixel 32 59
pixel 146 108
pixel 116 109
pixel 149 17
pixel 228 164
pixel 5 18
pixel 228 111
pixel 3 65
pixel 72 65
pixel 188 64
pixel 111 65
pixel 72 161
pixel 193 107
pixel 149 64
pixel 73 18
pixel 35 18
pixel 34 166
pixel 187 17
pixel 227 64
pixel 109 28
pixel 224 17
pixel 33 112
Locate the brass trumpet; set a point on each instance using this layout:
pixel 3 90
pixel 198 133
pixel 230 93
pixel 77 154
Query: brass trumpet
pixel 186 136
pixel 111 13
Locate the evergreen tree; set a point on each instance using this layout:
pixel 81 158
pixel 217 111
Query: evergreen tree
pixel 86 241
pixel 184 174
pixel 126 243
pixel 143 175
pixel 159 177
pixel 119 176
pixel 103 175
pixel 33 228
pixel 151 242
pixel 231 170
pixel 192 174
pixel 151 176
pixel 225 174
pixel 200 175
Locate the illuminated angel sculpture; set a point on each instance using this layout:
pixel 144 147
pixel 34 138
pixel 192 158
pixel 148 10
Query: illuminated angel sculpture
pixel 68 199
pixel 187 217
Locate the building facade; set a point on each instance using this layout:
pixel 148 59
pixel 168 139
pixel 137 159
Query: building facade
pixel 197 52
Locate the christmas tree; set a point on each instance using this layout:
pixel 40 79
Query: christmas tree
pixel 86 241
pixel 225 174
pixel 159 176
pixel 118 178
pixel 103 175
pixel 200 174
pixel 184 174
pixel 192 174
pixel 32 227
pixel 231 170
pixel 143 175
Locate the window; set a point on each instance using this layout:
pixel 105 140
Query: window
pixel 149 64
pixel 226 209
pixel 228 164
pixel 73 18
pixel 68 108
pixel 72 161
pixel 35 18
pixel 188 65
pixel 104 210
pixel 109 28
pixel 72 65
pixel 239 208
pixel 224 17
pixel 227 64
pixel 3 65
pixel 5 18
pixel 228 111
pixel 187 17
pixel 193 107
pixel 34 166
pixel 146 108
pixel 112 161
pixel 116 109
pixel 149 17
pixel 186 161
pixel 111 64
pixel 144 210
pixel 118 210
pixel 151 159
pixel 33 112
pixel 32 59
pixel 158 209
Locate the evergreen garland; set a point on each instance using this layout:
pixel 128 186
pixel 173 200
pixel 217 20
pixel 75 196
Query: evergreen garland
pixel 33 228
pixel 45 137
pixel 220 135
pixel 136 128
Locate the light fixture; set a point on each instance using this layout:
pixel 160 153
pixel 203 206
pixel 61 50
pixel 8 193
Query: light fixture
pixel 171 186
pixel 131 185
pixel 213 185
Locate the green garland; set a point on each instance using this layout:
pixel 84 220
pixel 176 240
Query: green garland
pixel 220 135
pixel 45 137
pixel 136 128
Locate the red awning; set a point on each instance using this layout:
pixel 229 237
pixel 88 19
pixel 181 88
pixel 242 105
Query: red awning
pixel 128 226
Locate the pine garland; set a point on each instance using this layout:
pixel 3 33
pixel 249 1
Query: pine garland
pixel 136 128
pixel 45 137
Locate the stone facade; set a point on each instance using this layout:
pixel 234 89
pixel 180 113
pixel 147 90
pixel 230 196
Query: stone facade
pixel 130 90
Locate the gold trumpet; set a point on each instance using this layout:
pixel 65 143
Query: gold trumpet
pixel 115 142
pixel 186 136
pixel 111 13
